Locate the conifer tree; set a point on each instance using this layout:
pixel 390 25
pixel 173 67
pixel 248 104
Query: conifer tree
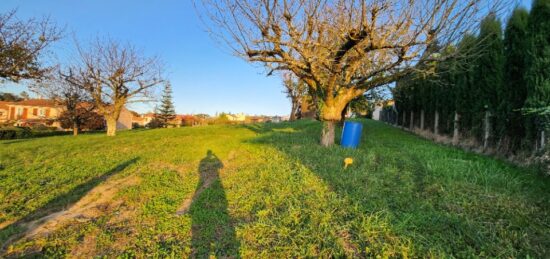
pixel 515 88
pixel 538 66
pixel 489 78
pixel 166 111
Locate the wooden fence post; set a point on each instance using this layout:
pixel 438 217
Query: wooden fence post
pixel 542 140
pixel 436 123
pixel 487 134
pixel 456 131
pixel 422 119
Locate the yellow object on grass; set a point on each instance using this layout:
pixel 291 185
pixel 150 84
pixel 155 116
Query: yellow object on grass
pixel 347 161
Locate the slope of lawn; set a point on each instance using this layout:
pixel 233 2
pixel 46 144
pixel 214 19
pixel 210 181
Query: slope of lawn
pixel 265 190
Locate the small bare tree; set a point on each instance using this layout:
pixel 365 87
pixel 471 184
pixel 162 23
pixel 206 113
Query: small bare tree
pixel 115 75
pixel 76 101
pixel 341 48
pixel 22 44
pixel 295 91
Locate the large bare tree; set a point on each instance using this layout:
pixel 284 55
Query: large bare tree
pixel 341 48
pixel 22 45
pixel 114 75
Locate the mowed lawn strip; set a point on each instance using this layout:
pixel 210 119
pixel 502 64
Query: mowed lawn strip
pixel 266 190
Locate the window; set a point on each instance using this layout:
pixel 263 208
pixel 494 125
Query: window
pixel 19 111
pixel 42 113
pixel 35 111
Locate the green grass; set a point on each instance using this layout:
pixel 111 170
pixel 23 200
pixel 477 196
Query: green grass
pixel 275 194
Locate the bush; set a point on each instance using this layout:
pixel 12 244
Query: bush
pixel 15 132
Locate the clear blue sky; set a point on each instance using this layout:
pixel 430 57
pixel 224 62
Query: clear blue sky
pixel 206 79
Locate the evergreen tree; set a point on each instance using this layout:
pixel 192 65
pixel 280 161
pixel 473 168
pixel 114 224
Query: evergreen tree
pixel 465 81
pixel 166 111
pixel 538 66
pixel 515 88
pixel 490 73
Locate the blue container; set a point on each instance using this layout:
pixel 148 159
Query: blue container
pixel 351 135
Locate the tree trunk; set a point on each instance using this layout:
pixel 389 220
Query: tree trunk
pixel 75 128
pixel 456 132
pixel 487 134
pixel 293 110
pixel 421 119
pixel 327 134
pixel 111 126
pixel 436 123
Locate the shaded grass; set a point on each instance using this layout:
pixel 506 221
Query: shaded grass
pixel 278 194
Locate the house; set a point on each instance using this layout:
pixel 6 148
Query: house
pixel 46 112
pixel 3 111
pixel 240 117
pixel 32 112
pixel 379 107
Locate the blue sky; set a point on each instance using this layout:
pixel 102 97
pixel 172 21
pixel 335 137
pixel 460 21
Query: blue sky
pixel 205 78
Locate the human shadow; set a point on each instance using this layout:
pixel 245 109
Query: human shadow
pixel 17 230
pixel 212 230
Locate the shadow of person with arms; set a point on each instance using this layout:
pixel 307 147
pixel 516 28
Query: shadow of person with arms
pixel 212 230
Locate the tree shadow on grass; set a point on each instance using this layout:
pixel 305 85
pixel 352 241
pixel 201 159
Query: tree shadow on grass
pixel 17 230
pixel 402 175
pixel 213 232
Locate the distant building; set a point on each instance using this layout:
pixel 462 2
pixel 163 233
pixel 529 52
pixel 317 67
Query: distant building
pixel 45 112
pixel 379 107
pixel 240 117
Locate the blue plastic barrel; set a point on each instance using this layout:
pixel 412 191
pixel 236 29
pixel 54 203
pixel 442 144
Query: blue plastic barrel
pixel 351 135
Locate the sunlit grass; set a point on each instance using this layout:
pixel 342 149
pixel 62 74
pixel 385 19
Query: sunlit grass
pixel 278 194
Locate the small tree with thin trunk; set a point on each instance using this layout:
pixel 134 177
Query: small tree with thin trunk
pixel 114 75
pixel 167 111
pixel 295 90
pixel 343 48
pixel 23 44
pixel 76 101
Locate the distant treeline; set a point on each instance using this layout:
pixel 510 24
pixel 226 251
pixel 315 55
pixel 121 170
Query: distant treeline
pixel 495 91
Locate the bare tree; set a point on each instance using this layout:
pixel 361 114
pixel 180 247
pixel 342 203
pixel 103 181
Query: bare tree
pixel 115 75
pixel 22 45
pixel 76 101
pixel 341 48
pixel 295 91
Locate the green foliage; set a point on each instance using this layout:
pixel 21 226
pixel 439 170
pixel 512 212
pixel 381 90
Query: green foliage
pixel 538 65
pixel 278 195
pixel 514 92
pixel 167 111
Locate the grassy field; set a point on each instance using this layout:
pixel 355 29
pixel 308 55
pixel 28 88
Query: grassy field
pixel 265 190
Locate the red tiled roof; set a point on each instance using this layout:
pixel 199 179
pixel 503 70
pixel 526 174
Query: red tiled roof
pixel 36 102
pixel 4 105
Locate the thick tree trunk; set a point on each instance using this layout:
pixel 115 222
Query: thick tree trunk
pixel 436 123
pixel 456 132
pixel 293 110
pixel 111 126
pixel 422 120
pixel 328 133
pixel 404 119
